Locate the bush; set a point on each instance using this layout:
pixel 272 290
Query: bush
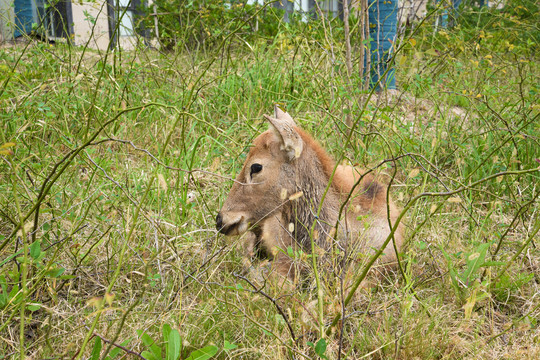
pixel 204 24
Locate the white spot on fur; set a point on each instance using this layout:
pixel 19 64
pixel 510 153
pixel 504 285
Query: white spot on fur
pixel 295 196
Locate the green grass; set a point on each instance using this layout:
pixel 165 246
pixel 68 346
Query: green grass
pixel 128 156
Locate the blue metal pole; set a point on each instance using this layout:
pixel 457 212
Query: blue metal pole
pixel 453 11
pixel 382 31
pixel 24 17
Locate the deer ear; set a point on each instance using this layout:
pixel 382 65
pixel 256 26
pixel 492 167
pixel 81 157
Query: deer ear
pixel 291 142
pixel 283 116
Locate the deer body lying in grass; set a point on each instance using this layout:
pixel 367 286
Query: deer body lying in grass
pixel 278 193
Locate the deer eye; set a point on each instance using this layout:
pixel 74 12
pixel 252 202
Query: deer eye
pixel 255 168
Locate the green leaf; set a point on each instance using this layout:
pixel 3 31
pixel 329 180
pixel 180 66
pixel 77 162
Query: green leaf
pixel 166 330
pixel 96 351
pixel 320 348
pixel 173 345
pixel 54 273
pixel 229 346
pixel 290 251
pixel 35 249
pixel 3 292
pixel 149 355
pixel 15 294
pixel 203 354
pixel 33 307
pixel 155 349
pixel 114 352
pixel 475 261
pixel 452 272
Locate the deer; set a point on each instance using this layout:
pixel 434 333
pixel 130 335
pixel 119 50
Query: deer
pixel 290 195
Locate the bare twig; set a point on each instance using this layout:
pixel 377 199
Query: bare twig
pixel 125 349
pixel 192 171
pixel 273 301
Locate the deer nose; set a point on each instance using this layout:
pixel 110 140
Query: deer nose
pixel 219 222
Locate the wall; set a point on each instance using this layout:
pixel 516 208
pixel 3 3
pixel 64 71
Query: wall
pixel 7 19
pixel 97 34
pixel 92 27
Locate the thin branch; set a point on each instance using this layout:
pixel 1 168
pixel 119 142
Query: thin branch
pixel 274 301
pixel 125 349
pixel 164 165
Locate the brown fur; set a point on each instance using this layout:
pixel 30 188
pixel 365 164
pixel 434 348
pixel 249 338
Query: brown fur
pixel 293 162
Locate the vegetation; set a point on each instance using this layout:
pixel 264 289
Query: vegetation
pixel 113 166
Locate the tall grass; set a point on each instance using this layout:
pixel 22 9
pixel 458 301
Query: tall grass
pixel 113 166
